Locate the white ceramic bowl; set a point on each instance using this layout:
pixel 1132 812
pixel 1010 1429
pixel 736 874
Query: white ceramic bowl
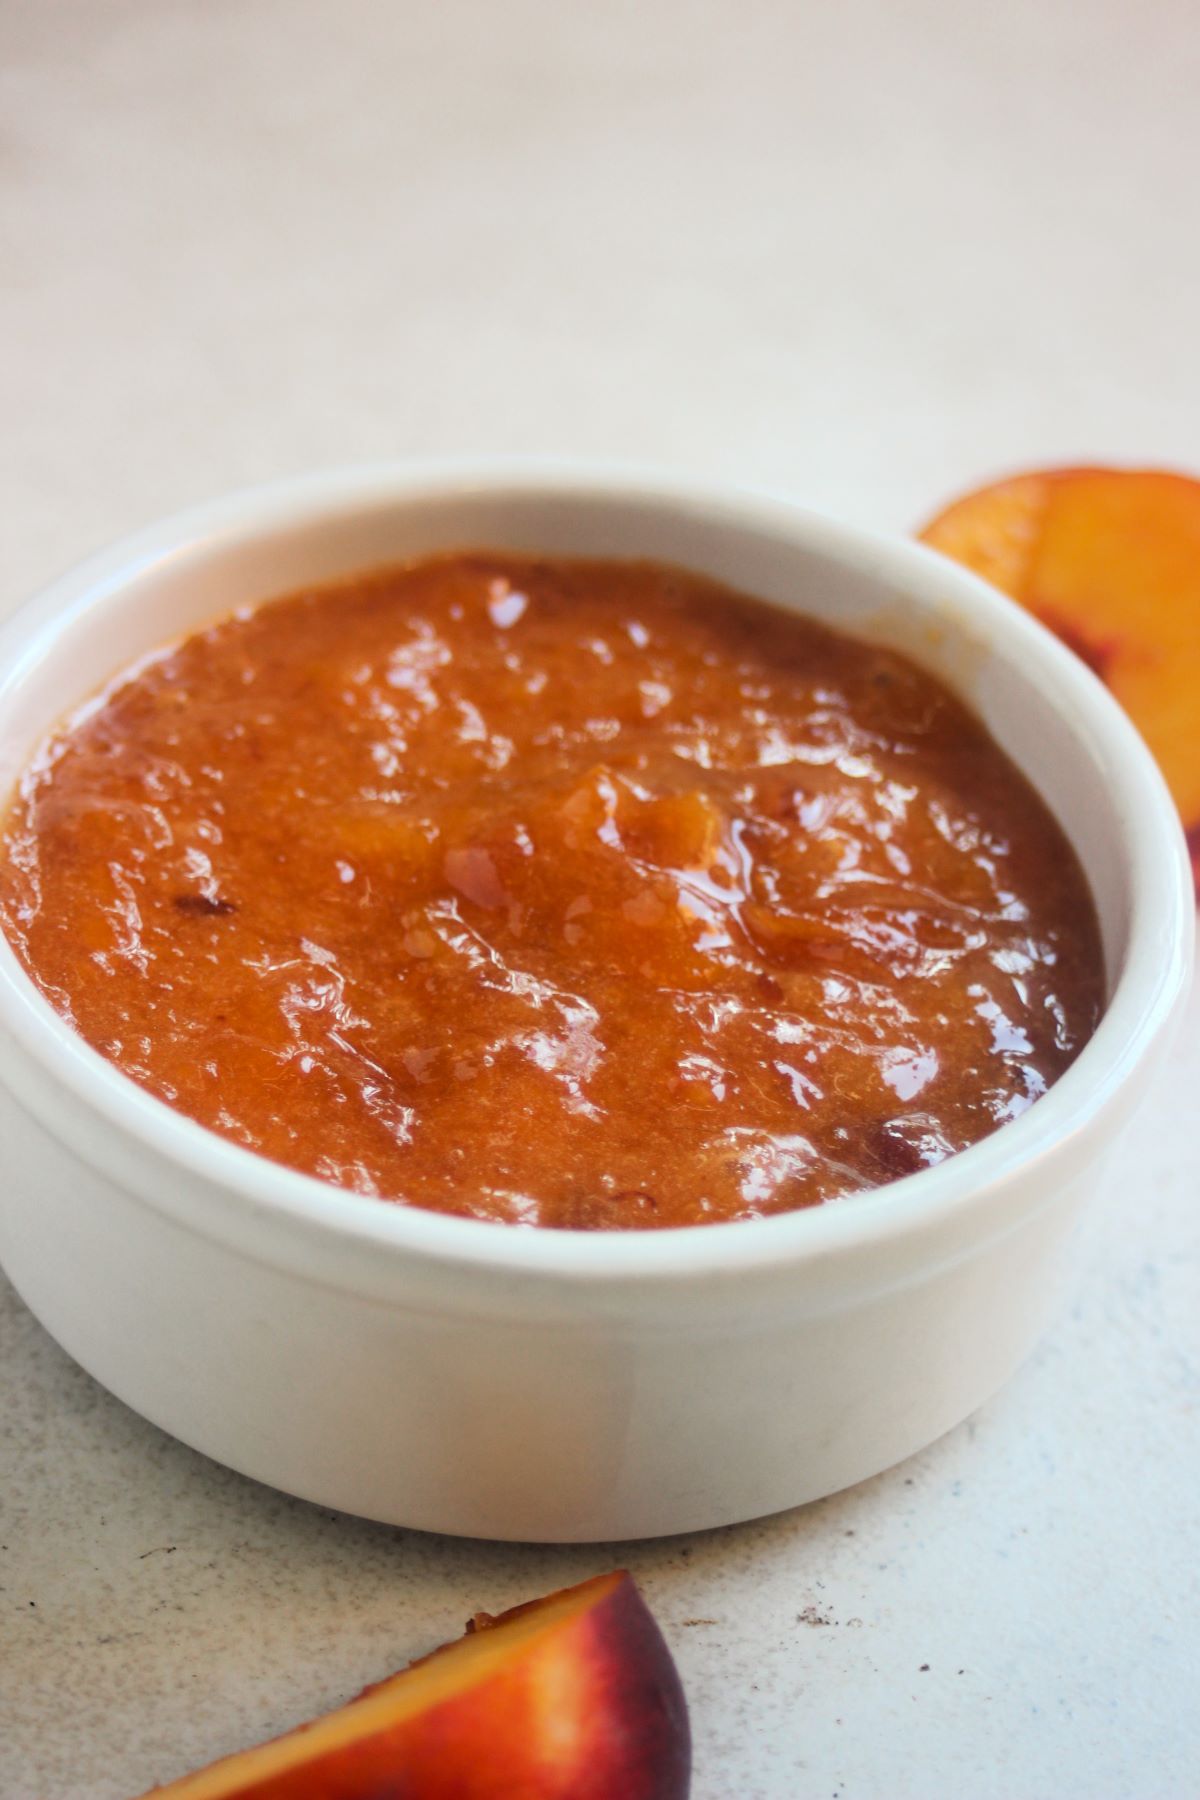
pixel 480 1379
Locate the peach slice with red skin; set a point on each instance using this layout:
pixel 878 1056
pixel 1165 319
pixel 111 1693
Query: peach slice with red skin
pixel 572 1697
pixel 1110 560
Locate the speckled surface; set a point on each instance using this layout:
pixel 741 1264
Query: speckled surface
pixel 860 255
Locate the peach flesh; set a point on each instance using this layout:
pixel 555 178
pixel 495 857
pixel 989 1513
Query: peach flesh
pixel 573 1696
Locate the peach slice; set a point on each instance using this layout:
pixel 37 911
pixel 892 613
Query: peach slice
pixel 573 1695
pixel 1110 560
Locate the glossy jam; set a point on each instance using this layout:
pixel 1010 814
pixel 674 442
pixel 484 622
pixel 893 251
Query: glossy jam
pixel 557 893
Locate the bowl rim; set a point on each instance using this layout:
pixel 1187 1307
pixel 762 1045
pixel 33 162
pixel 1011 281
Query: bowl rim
pixel 1147 991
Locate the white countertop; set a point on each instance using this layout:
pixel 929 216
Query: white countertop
pixel 863 254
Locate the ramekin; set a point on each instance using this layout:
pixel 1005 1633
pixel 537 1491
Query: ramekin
pixel 492 1381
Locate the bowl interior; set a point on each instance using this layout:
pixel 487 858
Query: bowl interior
pixel 1045 709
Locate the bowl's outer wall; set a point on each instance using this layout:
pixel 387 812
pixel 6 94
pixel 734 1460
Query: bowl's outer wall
pixel 499 1427
pixel 475 1395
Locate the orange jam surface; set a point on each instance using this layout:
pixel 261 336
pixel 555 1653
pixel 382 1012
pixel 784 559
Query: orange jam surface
pixel 579 894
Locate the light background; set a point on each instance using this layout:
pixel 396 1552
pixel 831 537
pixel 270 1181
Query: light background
pixel 861 253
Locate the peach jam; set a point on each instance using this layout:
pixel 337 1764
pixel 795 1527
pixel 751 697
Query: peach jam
pixel 576 894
